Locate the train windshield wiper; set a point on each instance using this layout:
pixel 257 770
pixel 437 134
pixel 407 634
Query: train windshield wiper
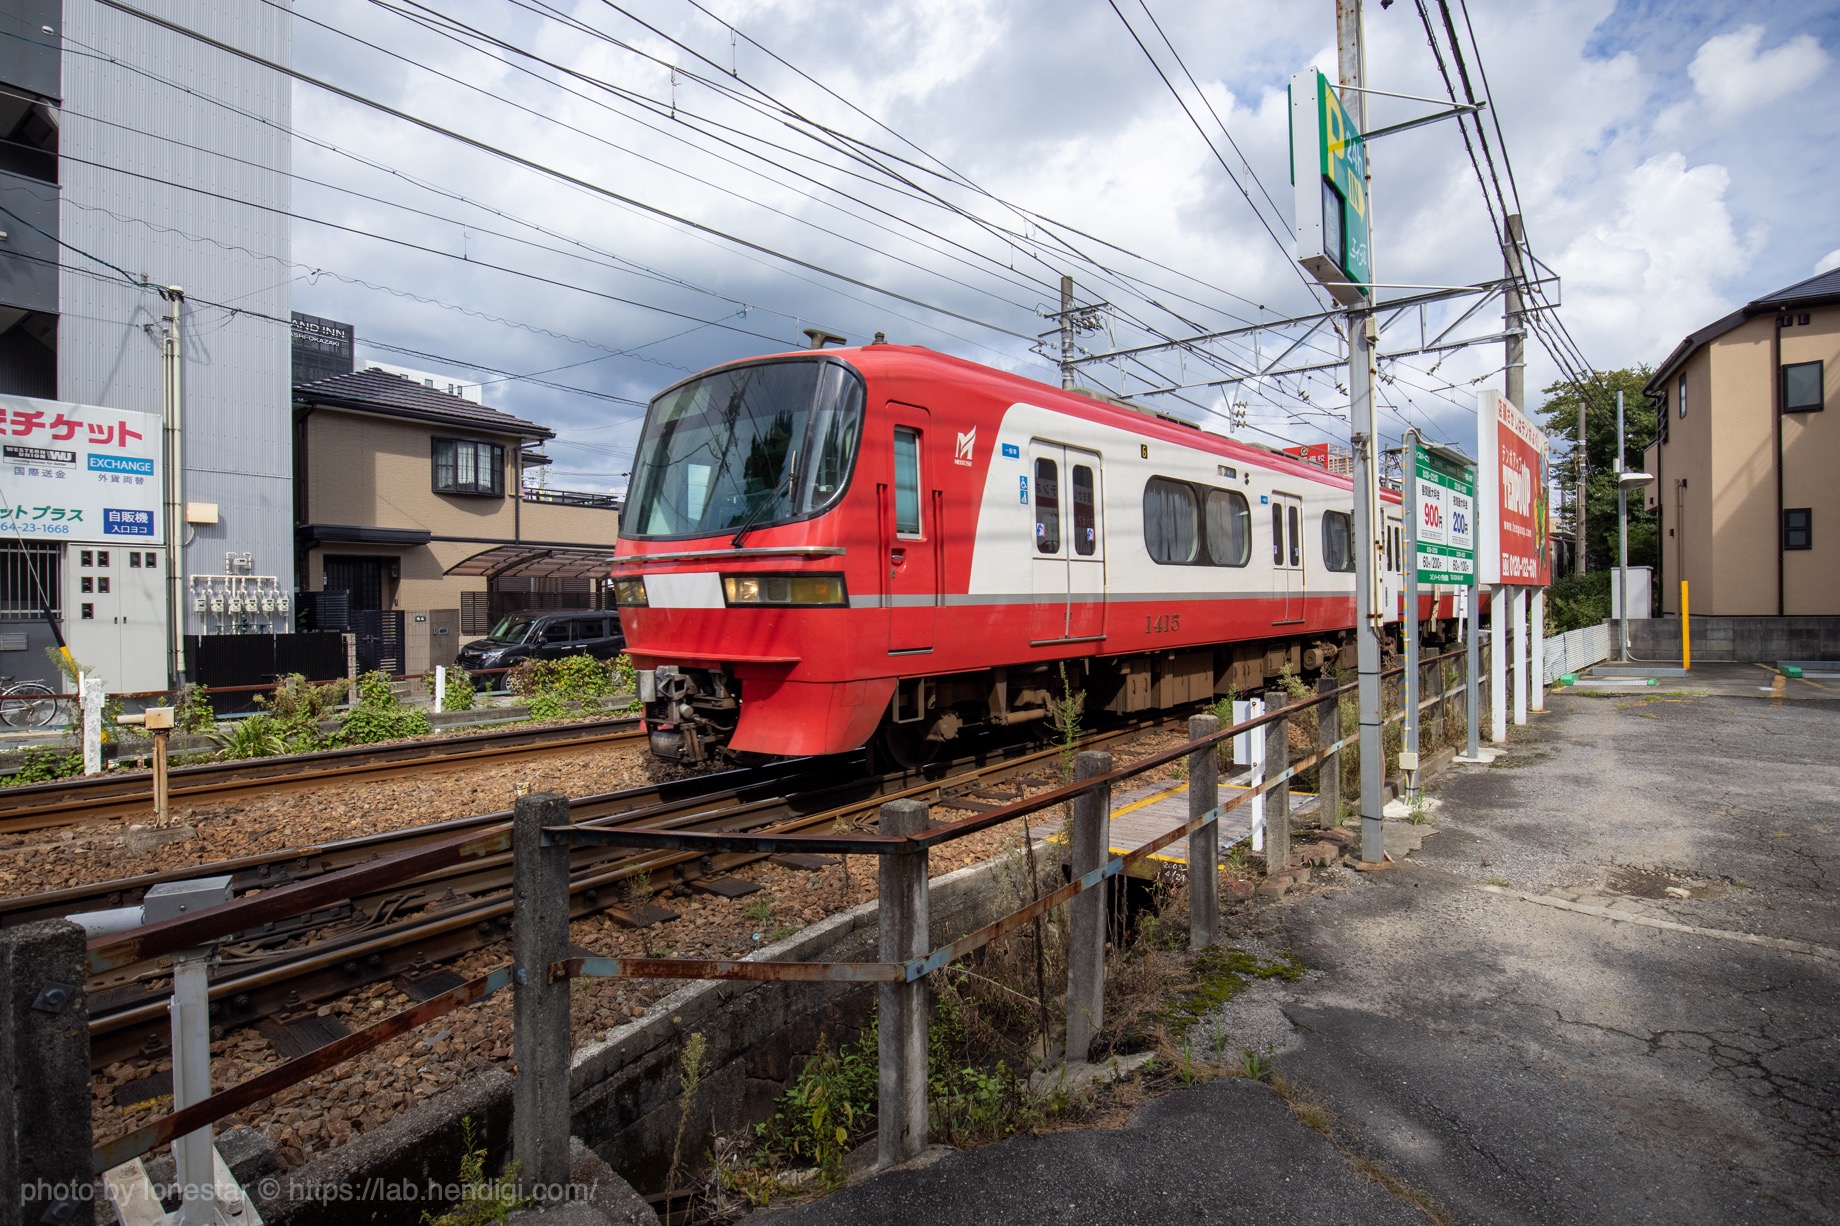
pixel 747 525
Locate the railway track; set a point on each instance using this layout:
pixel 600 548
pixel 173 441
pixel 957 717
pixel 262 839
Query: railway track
pixel 278 976
pixel 41 806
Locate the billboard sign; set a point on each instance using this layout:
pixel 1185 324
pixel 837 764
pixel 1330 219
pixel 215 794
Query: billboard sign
pixel 1329 178
pixel 79 472
pixel 1512 490
pixel 1444 517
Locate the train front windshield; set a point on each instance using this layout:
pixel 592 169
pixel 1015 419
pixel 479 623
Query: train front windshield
pixel 749 447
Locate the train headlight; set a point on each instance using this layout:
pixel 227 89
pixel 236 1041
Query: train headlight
pixel 784 590
pixel 630 593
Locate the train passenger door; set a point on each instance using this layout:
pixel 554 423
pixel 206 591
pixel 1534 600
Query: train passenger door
pixel 909 510
pixel 1086 546
pixel 1049 575
pixel 1393 575
pixel 1287 557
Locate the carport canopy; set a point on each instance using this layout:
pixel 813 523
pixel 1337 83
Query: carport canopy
pixel 538 562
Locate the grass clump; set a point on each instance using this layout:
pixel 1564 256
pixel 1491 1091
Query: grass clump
pixel 1218 974
pixel 380 715
pixel 483 1199
pixel 559 689
pixel 43 764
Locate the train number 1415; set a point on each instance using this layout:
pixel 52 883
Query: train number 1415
pixel 1164 623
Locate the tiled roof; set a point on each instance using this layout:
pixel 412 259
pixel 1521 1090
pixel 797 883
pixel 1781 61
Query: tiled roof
pixel 1823 287
pixel 379 391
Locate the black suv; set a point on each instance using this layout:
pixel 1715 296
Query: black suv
pixel 538 635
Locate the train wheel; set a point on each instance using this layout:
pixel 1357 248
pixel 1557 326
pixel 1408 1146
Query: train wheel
pixel 901 747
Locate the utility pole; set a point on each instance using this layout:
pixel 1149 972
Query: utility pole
pixel 1067 332
pixel 173 454
pixel 1361 336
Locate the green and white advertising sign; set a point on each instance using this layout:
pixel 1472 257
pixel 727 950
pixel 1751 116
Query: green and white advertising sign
pixel 1329 175
pixel 1444 516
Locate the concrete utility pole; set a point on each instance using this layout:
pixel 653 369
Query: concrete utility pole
pixel 1067 332
pixel 1361 336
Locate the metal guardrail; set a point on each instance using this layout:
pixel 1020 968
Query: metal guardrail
pixel 541 839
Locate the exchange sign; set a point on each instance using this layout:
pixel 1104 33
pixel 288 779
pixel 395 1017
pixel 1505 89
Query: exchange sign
pixel 1444 517
pixel 1329 176
pixel 79 472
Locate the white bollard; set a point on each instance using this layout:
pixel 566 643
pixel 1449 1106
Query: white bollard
pixel 440 687
pixel 1249 751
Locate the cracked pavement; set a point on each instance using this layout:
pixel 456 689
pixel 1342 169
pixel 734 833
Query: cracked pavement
pixel 1524 1060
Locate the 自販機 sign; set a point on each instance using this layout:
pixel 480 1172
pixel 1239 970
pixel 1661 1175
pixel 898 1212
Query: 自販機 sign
pixel 1329 177
pixel 1444 517
pixel 79 473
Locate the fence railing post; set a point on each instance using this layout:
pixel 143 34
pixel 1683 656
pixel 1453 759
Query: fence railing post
pixel 1329 773
pixel 45 1134
pixel 904 923
pixel 1278 800
pixel 540 1009
pixel 1092 812
pixel 1203 844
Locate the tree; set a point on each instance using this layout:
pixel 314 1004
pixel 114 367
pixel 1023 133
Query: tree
pixel 1560 416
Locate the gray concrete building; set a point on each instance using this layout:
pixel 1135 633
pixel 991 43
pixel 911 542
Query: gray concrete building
pixel 132 159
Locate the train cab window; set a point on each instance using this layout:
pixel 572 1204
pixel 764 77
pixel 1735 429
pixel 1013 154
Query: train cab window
pixel 1229 528
pixel 1047 507
pixel 1338 540
pixel 1296 540
pixel 1277 534
pixel 1085 516
pixel 906 482
pixel 1172 521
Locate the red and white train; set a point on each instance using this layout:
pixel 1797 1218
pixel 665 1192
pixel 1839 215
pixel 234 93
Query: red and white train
pixel 884 543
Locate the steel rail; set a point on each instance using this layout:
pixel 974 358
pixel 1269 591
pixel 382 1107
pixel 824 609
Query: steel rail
pixel 40 806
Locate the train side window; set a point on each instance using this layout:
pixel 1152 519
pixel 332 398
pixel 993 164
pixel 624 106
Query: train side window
pixel 1338 541
pixel 1229 528
pixel 1047 507
pixel 1277 534
pixel 1172 521
pixel 1296 540
pixel 1085 518
pixel 906 482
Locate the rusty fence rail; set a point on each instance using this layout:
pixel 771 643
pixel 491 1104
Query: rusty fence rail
pixel 540 838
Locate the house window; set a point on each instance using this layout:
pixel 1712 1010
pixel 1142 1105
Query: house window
pixel 1802 388
pixel 1680 395
pixel 462 466
pixel 1798 528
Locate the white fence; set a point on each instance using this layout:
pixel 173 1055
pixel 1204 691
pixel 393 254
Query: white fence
pixel 1576 649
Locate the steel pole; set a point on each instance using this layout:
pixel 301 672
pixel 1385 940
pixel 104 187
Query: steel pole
pixel 1622 541
pixel 1408 625
pixel 1369 623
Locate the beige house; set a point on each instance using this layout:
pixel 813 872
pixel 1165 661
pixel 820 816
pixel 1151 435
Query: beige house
pixel 1746 459
pixel 410 498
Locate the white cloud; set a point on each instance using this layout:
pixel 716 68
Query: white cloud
pixel 1829 261
pixel 1650 271
pixel 1732 77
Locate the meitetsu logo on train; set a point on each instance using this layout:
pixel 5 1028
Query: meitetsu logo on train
pixel 117 521
pixel 121 464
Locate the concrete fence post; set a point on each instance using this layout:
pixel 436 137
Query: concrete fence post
pixel 351 669
pixel 1092 815
pixel 1329 774
pixel 1203 844
pixel 904 923
pixel 540 1009
pixel 1278 800
pixel 91 699
pixel 45 1135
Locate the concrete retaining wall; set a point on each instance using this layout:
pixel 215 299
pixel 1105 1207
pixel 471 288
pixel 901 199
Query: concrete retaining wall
pixel 1743 640
pixel 625 1085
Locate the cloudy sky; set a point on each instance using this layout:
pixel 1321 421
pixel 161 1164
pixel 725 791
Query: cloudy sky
pixel 930 169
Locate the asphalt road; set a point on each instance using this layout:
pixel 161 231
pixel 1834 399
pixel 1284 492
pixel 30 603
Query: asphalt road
pixel 1525 1020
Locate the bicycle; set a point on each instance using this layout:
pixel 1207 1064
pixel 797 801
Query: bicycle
pixel 28 704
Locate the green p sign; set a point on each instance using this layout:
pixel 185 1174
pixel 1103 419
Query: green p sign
pixel 1329 174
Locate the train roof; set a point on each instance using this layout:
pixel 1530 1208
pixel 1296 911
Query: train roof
pixel 895 360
